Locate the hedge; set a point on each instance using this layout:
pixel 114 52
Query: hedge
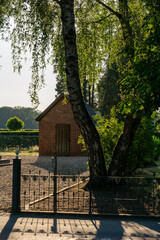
pixel 21 139
pixel 19 133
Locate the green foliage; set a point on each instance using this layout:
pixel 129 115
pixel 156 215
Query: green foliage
pixel 26 132
pixel 21 139
pixel 145 146
pixel 14 124
pixel 108 90
pixel 17 142
pixel 81 141
pixel 60 86
pixel 140 81
pixel 33 30
pixel 109 131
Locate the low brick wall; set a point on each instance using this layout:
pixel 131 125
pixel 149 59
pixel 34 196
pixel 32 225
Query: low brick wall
pixel 65 165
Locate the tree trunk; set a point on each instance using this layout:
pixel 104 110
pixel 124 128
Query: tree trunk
pixel 86 125
pixel 118 165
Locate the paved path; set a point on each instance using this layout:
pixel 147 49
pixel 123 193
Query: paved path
pixel 41 227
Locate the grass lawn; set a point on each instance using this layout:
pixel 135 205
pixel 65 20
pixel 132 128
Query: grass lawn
pixel 21 153
pixel 32 151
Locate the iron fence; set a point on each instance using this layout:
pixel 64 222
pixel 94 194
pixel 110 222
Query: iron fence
pixel 86 194
pixel 57 193
pixel 95 195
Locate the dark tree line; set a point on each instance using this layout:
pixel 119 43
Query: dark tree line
pixel 27 115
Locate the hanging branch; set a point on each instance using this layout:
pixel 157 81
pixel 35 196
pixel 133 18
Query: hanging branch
pixel 110 9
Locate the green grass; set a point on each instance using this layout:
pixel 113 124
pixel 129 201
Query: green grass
pixel 32 151
pixel 21 153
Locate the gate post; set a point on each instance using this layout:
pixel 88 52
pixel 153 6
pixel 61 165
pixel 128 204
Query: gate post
pixel 90 190
pixel 54 159
pixel 16 184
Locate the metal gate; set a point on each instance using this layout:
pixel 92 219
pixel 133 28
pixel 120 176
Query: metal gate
pixel 84 194
pixel 90 195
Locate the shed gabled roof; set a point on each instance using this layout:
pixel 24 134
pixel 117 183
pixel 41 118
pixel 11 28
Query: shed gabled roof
pixel 50 107
pixel 90 110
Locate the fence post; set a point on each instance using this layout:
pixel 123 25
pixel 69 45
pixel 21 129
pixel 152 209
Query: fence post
pixel 16 184
pixel 90 190
pixel 54 159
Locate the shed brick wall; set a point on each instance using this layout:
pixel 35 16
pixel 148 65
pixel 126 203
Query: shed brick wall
pixel 60 114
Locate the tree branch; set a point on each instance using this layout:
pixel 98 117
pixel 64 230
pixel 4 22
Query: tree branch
pixel 110 9
pixel 100 20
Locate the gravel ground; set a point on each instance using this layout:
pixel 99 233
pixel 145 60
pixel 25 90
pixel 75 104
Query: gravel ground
pixel 27 164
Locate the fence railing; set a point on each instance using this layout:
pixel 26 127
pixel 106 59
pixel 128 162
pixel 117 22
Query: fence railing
pixel 91 195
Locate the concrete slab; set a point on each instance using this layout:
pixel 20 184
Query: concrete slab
pixel 40 227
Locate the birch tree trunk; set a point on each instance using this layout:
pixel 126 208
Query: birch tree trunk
pixel 84 121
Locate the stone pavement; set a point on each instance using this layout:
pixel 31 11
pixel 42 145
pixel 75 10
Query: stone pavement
pixel 65 227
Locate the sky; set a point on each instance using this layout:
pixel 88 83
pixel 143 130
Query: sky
pixel 14 87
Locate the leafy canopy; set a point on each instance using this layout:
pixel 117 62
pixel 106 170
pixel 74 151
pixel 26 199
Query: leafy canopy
pixel 14 124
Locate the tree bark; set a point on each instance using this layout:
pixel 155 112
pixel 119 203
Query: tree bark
pixel 118 165
pixel 84 121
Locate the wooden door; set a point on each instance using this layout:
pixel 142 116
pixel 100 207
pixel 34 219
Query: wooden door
pixel 63 139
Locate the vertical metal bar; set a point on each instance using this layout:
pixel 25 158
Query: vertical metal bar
pixel 154 176
pixel 73 200
pixel 58 188
pixel 55 184
pixel 148 203
pixel 68 190
pixel 39 187
pixel 34 193
pixel 63 199
pixel 78 189
pixel 103 191
pixel 16 185
pixel 44 199
pixel 90 192
pixel 48 189
pixel 29 185
pixel 83 202
pixel 122 195
pixel 113 198
pixel 24 199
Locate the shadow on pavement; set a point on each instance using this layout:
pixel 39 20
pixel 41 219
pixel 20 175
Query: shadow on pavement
pixel 8 228
pixel 79 227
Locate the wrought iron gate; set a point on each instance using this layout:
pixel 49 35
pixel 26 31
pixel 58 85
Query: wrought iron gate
pixel 53 193
pixel 87 194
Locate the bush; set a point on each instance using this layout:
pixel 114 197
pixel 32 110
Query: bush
pixel 145 146
pixel 109 131
pixel 21 139
pixel 14 124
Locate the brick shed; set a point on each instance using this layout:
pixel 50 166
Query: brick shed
pixel 58 131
